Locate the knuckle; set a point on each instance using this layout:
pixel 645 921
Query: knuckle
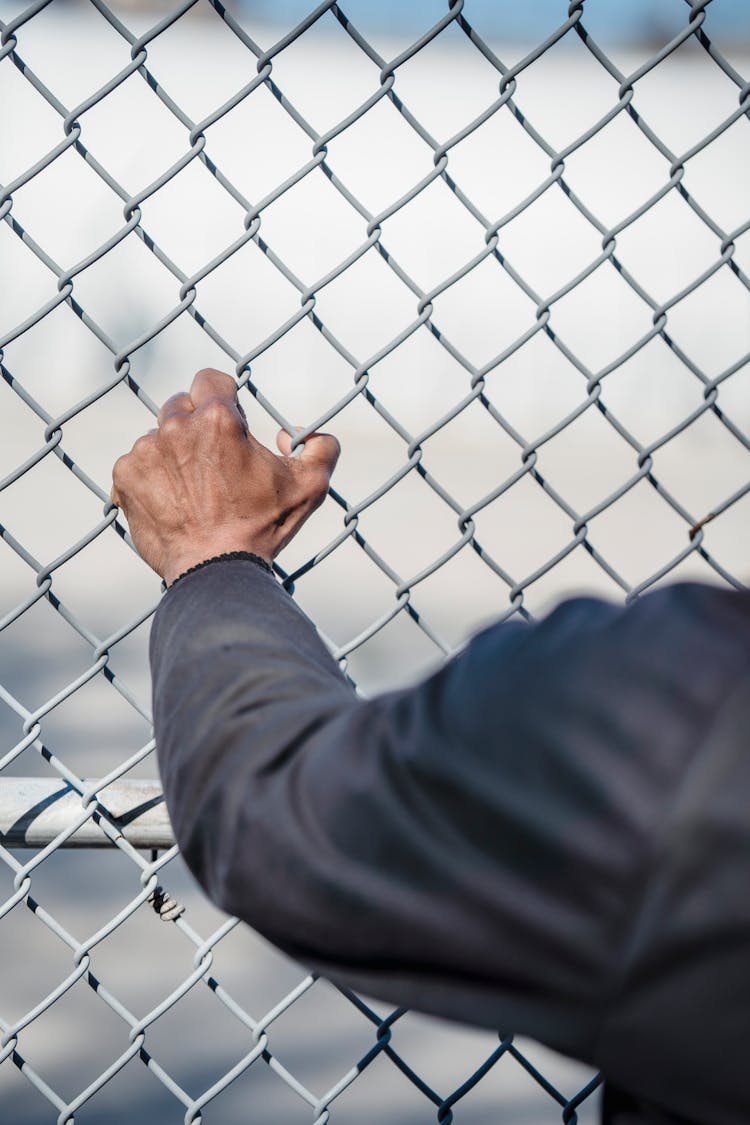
pixel 176 402
pixel 143 446
pixel 178 396
pixel 173 428
pixel 121 469
pixel 220 416
pixel 216 378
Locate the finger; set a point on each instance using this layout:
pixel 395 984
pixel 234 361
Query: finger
pixel 178 404
pixel 209 385
pixel 284 442
pixel 320 451
pixel 132 463
pixel 243 416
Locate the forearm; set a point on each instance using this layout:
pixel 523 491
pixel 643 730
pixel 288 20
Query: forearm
pixel 290 798
pixel 240 681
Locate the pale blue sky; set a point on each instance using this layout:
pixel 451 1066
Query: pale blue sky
pixel 508 19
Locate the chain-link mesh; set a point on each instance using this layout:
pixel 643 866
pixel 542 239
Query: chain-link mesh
pixel 527 408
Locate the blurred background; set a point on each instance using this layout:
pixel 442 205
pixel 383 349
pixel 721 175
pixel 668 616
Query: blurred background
pixel 67 211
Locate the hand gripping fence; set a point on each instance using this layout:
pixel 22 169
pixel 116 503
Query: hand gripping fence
pixel 67 914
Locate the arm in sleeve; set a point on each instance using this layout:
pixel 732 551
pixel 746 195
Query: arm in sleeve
pixel 471 846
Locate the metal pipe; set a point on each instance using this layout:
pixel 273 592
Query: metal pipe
pixel 34 811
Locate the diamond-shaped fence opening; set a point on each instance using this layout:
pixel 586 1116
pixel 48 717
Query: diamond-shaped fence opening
pixel 513 280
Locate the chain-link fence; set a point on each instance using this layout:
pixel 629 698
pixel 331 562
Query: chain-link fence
pixel 517 293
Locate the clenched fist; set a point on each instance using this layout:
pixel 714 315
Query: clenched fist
pixel 201 485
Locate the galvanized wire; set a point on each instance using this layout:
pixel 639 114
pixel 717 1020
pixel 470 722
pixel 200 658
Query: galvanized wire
pixel 91 812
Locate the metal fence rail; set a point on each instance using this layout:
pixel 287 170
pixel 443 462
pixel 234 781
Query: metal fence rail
pixel 59 807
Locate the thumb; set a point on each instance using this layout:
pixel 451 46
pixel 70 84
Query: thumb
pixel 319 451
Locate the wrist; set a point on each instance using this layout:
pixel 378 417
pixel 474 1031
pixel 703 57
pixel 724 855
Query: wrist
pixel 198 555
pixel 229 556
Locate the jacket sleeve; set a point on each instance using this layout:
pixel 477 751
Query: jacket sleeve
pixel 473 846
